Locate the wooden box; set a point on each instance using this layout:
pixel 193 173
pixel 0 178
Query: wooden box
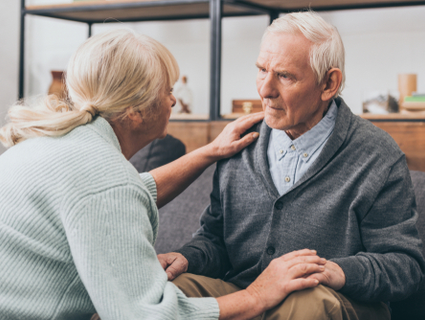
pixel 246 106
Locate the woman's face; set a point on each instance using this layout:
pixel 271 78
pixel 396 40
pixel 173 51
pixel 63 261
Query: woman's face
pixel 162 113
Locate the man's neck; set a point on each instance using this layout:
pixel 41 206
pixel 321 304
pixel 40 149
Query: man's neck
pixel 297 132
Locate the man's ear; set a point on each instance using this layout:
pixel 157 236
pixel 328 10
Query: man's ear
pixel 331 83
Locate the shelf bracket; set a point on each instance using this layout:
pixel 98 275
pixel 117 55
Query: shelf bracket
pixel 216 11
pixel 273 15
pixel 22 52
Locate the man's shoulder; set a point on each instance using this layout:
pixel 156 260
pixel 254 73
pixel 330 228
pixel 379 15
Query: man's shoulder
pixel 249 157
pixel 364 135
pixel 370 135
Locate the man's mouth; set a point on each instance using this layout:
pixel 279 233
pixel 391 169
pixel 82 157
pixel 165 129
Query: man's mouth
pixel 272 106
pixel 267 103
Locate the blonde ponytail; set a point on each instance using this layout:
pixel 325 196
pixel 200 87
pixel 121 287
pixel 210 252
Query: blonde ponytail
pixel 109 73
pixel 49 117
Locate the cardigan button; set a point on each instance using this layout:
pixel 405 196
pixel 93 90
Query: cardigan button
pixel 271 250
pixel 278 205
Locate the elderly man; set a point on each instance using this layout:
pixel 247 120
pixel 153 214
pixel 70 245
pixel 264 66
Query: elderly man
pixel 319 177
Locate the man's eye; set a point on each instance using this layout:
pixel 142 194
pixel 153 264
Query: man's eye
pixel 284 76
pixel 262 70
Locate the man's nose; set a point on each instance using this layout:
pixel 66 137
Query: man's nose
pixel 268 88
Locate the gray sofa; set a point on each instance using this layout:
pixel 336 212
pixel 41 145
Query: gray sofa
pixel 179 219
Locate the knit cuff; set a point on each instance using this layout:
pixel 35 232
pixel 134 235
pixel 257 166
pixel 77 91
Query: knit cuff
pixel 353 275
pixel 149 183
pixel 208 308
pixel 192 257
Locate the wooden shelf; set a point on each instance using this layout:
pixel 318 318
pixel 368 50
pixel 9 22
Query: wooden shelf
pixel 325 5
pixel 144 10
pixel 189 116
pixel 136 10
pixel 419 116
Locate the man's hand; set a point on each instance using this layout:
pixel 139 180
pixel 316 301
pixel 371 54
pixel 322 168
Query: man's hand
pixel 333 276
pixel 173 263
pixel 284 275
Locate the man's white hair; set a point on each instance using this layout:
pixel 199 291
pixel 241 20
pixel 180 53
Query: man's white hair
pixel 327 50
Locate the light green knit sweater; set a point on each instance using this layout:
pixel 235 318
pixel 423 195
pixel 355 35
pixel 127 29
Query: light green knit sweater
pixel 77 225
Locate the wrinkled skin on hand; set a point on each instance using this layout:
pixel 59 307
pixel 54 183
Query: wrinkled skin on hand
pixel 286 274
pixel 173 263
pixel 231 140
pixel 332 276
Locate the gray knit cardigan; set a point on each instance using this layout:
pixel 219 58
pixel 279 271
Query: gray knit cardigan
pixel 355 205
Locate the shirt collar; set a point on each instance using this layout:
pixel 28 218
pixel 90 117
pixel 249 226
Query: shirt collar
pixel 308 143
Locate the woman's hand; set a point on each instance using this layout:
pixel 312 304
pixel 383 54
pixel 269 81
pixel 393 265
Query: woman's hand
pixel 231 140
pixel 283 275
pixel 176 176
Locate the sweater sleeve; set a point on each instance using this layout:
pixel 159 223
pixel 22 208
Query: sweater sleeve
pixel 391 266
pixel 206 252
pixel 110 237
pixel 150 184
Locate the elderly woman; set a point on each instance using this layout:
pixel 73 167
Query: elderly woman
pixel 78 223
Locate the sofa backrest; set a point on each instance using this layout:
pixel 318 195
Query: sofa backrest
pixel 418 180
pixel 413 308
pixel 157 153
pixel 179 219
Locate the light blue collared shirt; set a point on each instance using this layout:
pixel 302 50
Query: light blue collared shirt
pixel 290 159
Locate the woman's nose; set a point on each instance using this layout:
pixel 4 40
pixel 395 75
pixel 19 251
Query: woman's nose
pixel 174 100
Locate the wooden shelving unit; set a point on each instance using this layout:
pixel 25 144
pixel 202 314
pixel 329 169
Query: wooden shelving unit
pixel 150 10
pixel 134 10
pixel 407 130
pixel 109 11
pixel 391 117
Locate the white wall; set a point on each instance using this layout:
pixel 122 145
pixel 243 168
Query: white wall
pixel 380 44
pixel 9 56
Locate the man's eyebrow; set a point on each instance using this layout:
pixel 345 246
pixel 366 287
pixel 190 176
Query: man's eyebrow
pixel 258 65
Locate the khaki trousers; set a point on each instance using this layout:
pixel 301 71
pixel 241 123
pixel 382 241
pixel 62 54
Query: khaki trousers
pixel 316 303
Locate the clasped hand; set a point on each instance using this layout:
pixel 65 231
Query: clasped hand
pixel 173 263
pixel 293 271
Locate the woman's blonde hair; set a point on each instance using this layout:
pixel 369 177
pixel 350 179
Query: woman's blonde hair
pixel 109 73
pixel 327 50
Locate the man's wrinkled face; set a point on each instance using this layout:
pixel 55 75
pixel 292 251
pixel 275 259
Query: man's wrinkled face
pixel 287 85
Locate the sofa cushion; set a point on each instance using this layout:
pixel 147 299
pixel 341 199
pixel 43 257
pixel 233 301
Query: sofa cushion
pixel 418 180
pixel 157 153
pixel 179 219
pixel 413 308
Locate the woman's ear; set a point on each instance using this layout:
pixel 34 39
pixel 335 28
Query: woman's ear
pixel 134 116
pixel 331 84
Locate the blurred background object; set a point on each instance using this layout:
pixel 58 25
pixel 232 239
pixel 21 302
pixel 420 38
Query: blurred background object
pixel 58 86
pixel 411 102
pixel 380 103
pixel 184 96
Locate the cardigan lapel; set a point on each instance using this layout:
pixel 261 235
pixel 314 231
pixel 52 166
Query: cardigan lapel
pixel 339 135
pixel 261 161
